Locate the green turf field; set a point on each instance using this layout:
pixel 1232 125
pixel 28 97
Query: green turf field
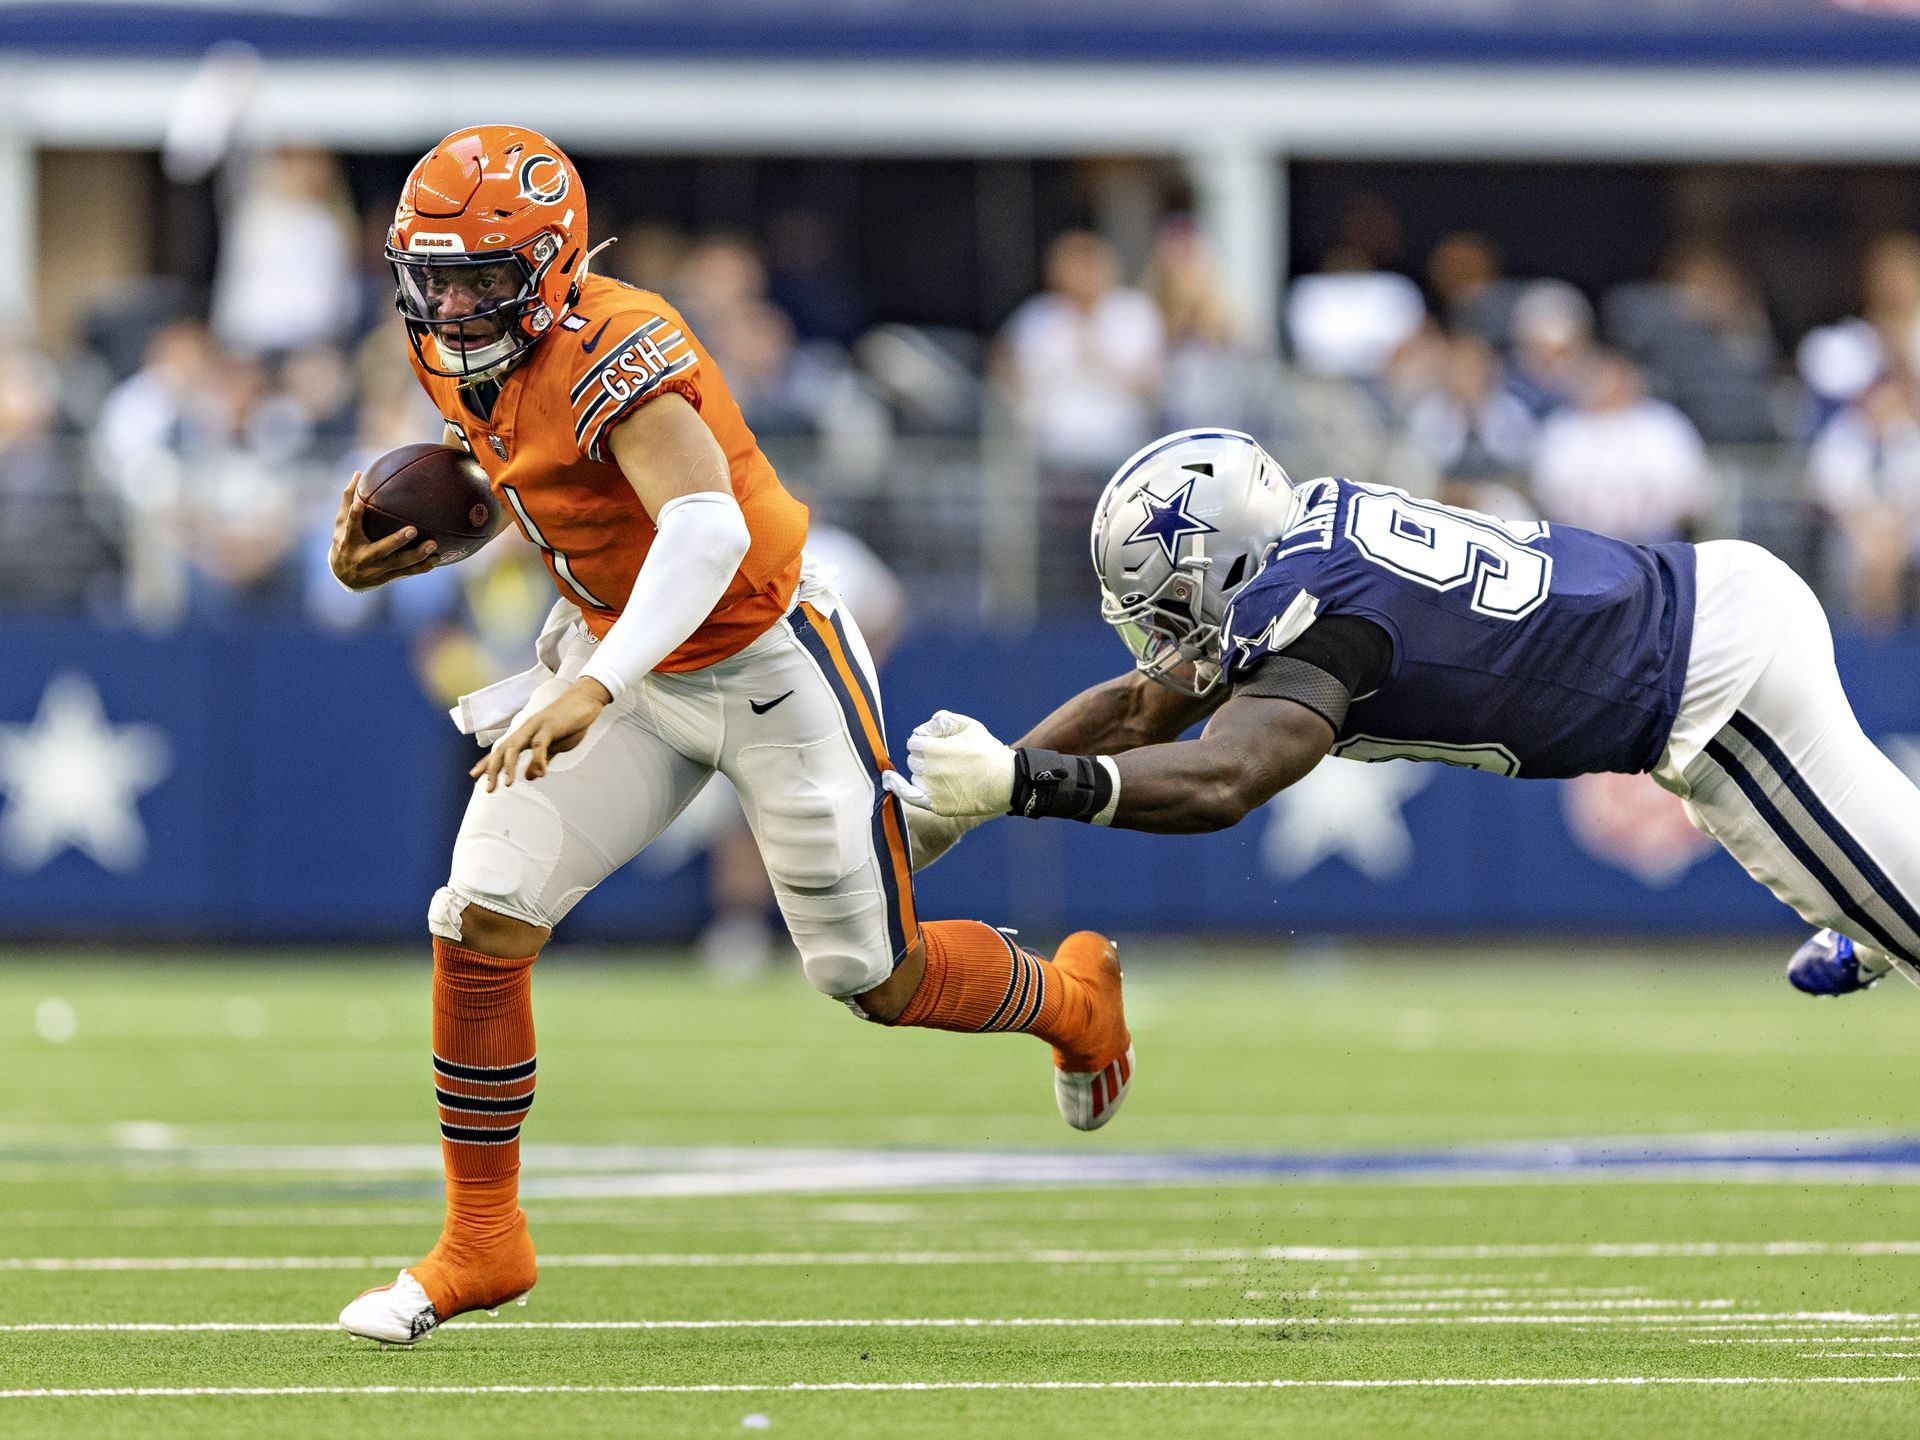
pixel 755 1211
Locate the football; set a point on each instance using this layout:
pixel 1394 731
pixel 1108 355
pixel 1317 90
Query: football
pixel 439 490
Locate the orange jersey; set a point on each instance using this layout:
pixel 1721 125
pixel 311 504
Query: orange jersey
pixel 545 449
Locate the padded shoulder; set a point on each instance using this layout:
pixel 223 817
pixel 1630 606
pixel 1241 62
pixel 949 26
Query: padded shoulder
pixel 629 346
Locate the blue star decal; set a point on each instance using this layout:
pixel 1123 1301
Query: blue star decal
pixel 1169 522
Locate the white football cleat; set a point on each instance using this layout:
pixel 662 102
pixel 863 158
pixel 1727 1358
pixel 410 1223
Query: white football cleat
pixel 1088 1099
pixel 396 1314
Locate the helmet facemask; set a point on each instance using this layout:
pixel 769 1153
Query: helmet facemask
pixel 1170 641
pixel 508 312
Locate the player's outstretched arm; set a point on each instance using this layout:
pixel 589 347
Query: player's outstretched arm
pixel 1120 714
pixel 1253 748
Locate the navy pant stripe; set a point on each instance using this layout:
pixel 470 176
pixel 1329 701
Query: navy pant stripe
pixel 1883 888
pixel 805 633
pixel 1756 792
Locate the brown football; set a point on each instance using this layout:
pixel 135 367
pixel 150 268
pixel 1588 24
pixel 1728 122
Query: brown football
pixel 441 491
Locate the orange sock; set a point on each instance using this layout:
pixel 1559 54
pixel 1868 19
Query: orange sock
pixel 979 980
pixel 483 1069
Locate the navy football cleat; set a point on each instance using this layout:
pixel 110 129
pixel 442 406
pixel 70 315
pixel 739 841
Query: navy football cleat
pixel 1828 964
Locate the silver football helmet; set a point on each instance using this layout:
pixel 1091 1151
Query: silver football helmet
pixel 1180 528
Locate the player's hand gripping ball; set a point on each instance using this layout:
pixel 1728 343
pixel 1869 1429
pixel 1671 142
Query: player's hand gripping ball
pixel 415 507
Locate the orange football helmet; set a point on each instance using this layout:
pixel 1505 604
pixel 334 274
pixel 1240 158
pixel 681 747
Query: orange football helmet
pixel 488 246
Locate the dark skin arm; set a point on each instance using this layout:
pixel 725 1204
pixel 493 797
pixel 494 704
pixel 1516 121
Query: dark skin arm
pixel 1120 714
pixel 1251 750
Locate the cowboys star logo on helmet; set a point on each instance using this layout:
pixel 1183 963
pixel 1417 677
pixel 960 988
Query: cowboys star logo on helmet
pixel 1168 521
pixel 1214 501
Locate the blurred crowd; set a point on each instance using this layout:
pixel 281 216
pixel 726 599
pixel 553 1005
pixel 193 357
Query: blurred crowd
pixel 183 463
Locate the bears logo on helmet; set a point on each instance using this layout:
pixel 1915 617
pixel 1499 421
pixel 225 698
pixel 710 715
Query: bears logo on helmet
pixel 488 247
pixel 549 190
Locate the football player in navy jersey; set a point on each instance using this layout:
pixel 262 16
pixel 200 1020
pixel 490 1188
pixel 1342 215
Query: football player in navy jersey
pixel 1335 618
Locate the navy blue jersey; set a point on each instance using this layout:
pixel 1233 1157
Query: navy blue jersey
pixel 1521 648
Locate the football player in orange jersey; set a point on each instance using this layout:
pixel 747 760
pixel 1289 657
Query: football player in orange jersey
pixel 691 637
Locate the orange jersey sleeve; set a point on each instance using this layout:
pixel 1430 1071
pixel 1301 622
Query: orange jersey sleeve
pixel 544 446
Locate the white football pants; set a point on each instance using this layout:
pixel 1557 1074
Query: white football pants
pixel 1771 763
pixel 793 721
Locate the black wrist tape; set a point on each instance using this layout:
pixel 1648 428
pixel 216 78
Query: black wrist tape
pixel 1070 787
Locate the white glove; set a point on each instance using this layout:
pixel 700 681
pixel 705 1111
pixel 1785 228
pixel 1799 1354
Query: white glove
pixel 959 768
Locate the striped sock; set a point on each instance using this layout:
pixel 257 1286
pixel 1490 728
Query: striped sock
pixel 978 980
pixel 483 1072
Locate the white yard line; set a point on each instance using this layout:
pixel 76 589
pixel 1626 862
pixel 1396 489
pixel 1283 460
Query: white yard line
pixel 1304 1254
pixel 1422 1306
pixel 1807 1340
pixel 1526 1382
pixel 920 1322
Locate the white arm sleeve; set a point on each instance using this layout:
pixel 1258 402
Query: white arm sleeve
pixel 703 538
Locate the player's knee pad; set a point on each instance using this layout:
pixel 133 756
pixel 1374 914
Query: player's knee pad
pixel 842 939
pixel 842 975
pixel 506 853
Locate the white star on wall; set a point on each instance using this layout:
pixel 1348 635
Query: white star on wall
pixel 71 780
pixel 1347 808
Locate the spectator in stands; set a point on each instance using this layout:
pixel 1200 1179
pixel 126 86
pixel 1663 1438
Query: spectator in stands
pixel 51 550
pixel 1621 462
pixel 649 254
pixel 317 383
pixel 1552 345
pixel 1084 359
pixel 239 508
pixel 1839 362
pixel 809 278
pixel 720 276
pixel 754 345
pixel 1470 292
pixel 1350 319
pixel 1702 333
pixel 784 388
pixel 138 443
pixel 1864 471
pixel 1890 297
pixel 1473 430
pixel 1207 374
pixel 287 275
pixel 1082 363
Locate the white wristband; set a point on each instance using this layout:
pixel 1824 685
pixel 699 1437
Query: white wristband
pixel 702 539
pixel 1105 817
